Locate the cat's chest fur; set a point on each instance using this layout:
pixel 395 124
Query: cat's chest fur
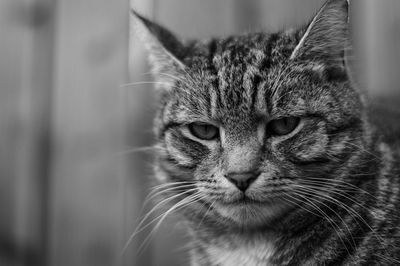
pixel 241 253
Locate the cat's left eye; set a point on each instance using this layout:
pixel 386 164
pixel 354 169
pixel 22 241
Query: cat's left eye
pixel 283 126
pixel 204 131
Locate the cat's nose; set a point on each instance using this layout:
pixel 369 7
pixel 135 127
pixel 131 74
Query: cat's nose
pixel 242 180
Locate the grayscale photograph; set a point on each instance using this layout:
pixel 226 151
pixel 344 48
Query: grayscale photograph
pixel 199 132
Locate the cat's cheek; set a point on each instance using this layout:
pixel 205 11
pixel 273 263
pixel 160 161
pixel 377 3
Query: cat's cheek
pixel 309 145
pixel 269 170
pixel 313 147
pixel 166 171
pixel 184 151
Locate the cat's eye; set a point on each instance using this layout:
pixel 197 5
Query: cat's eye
pixel 204 131
pixel 283 126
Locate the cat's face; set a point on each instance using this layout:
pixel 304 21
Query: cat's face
pixel 245 121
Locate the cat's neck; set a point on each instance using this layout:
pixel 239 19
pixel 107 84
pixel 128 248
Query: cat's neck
pixel 233 249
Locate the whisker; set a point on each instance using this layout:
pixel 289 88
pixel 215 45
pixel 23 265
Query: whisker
pixel 144 83
pixel 181 204
pixel 175 78
pixel 350 210
pixel 299 205
pixel 171 184
pixel 138 149
pixel 344 183
pixel 321 188
pixel 318 195
pixel 140 227
pixel 335 227
pixel 388 259
pixel 168 75
pixel 157 188
pixel 205 214
pixel 156 193
pixel 364 150
pixel 333 223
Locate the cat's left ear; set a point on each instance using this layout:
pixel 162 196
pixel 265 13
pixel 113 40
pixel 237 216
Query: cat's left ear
pixel 326 37
pixel 165 50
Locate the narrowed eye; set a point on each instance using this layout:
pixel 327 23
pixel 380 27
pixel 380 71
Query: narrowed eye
pixel 283 126
pixel 204 131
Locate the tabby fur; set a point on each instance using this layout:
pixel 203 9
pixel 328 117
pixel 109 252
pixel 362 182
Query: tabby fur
pixel 328 193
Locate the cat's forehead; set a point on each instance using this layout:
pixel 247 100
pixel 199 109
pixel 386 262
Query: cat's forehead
pixel 235 54
pixel 237 74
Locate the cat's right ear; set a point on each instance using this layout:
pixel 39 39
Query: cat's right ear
pixel 165 50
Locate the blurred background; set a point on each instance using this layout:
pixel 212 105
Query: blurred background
pixel 72 181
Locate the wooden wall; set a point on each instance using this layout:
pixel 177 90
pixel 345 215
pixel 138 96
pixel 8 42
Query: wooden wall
pixel 63 124
pixel 88 122
pixel 70 190
pixel 382 42
pixel 26 67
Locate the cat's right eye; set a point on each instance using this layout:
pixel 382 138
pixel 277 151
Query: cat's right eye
pixel 204 131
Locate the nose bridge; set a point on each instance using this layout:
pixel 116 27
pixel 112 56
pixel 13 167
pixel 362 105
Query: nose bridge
pixel 243 157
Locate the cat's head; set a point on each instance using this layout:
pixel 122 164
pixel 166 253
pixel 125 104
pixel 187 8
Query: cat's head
pixel 244 121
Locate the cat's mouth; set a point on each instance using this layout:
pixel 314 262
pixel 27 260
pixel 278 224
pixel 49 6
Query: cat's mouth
pixel 243 200
pixel 245 211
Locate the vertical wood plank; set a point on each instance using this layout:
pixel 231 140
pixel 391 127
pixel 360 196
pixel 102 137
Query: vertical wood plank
pixel 88 172
pixel 11 49
pixel 197 19
pixel 10 93
pixel 26 83
pixel 360 22
pixel 382 41
pixel 285 14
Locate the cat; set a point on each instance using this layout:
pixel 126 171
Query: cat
pixel 268 149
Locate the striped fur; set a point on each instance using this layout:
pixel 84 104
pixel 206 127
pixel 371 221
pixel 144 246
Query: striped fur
pixel 328 193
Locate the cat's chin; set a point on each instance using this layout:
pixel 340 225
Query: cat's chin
pixel 248 214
